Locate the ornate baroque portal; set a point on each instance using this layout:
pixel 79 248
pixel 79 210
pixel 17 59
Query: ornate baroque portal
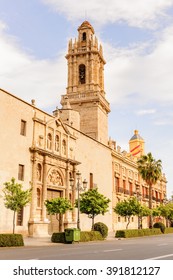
pixel 51 168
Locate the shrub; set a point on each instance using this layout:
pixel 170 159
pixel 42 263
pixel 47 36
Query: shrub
pixel 9 240
pixel 151 231
pixel 90 236
pixel 160 225
pixel 58 237
pixel 169 230
pixel 120 233
pixel 102 228
pixel 136 232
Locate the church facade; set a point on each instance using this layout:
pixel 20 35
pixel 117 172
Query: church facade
pixel 45 151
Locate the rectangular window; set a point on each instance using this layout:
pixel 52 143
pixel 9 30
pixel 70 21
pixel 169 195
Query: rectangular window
pixel 21 172
pixel 130 188
pixel 117 184
pixel 19 218
pixel 23 127
pixel 91 181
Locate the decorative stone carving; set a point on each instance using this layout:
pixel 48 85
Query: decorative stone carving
pixel 55 178
pixel 40 140
pixel 39 172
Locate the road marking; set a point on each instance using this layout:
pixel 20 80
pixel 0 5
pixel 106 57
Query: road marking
pixel 164 244
pixel 113 250
pixel 160 257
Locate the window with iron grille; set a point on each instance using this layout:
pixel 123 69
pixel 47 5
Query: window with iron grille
pixel 21 172
pixel 23 128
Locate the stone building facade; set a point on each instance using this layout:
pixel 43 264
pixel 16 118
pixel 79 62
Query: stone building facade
pixel 44 151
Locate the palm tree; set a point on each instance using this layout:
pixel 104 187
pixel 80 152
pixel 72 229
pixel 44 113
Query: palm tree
pixel 150 171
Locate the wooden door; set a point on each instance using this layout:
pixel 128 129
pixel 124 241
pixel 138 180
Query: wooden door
pixel 54 223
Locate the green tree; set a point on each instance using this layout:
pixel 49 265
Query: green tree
pixel 93 203
pixel 127 208
pixel 144 211
pixel 150 171
pixel 165 211
pixel 58 206
pixel 15 198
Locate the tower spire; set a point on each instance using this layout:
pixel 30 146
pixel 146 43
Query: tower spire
pixel 137 145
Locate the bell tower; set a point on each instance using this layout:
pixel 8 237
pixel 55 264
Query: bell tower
pixel 85 86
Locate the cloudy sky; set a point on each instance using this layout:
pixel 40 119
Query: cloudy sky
pixel 137 39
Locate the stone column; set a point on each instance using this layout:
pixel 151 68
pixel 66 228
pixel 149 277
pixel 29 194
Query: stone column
pixel 74 216
pixel 44 190
pixel 67 180
pixel 67 214
pixel 33 204
pixel 87 72
pixel 70 72
pixel 34 188
pixel 92 72
pixel 75 75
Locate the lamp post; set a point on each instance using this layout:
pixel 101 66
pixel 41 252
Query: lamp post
pixel 79 187
pixel 166 201
pixel 138 196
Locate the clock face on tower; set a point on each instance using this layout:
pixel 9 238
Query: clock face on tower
pixel 82 73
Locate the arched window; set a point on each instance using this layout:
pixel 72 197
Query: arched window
pixel 84 36
pixel 49 141
pixel 64 147
pixel 39 172
pixel 38 197
pixel 82 73
pixel 57 143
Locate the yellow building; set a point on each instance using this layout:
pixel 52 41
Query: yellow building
pixel 45 151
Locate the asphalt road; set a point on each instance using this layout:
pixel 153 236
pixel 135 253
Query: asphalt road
pixel 141 248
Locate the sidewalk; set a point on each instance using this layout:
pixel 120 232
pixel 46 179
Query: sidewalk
pixel 38 241
pixel 46 241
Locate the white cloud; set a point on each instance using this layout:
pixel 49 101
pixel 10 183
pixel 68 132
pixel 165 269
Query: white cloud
pixel 146 112
pixel 133 74
pixel 28 77
pixel 3 26
pixel 135 13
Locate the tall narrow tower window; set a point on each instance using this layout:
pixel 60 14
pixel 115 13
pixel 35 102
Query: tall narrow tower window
pixel 23 128
pixel 84 36
pixel 82 73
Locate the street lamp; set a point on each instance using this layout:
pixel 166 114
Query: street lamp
pixel 79 187
pixel 138 196
pixel 166 201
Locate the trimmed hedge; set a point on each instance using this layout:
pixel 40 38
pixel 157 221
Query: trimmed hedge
pixel 168 230
pixel 11 240
pixel 59 237
pixel 102 228
pixel 90 236
pixel 137 232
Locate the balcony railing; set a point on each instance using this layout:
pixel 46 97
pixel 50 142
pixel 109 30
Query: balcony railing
pixel 121 190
